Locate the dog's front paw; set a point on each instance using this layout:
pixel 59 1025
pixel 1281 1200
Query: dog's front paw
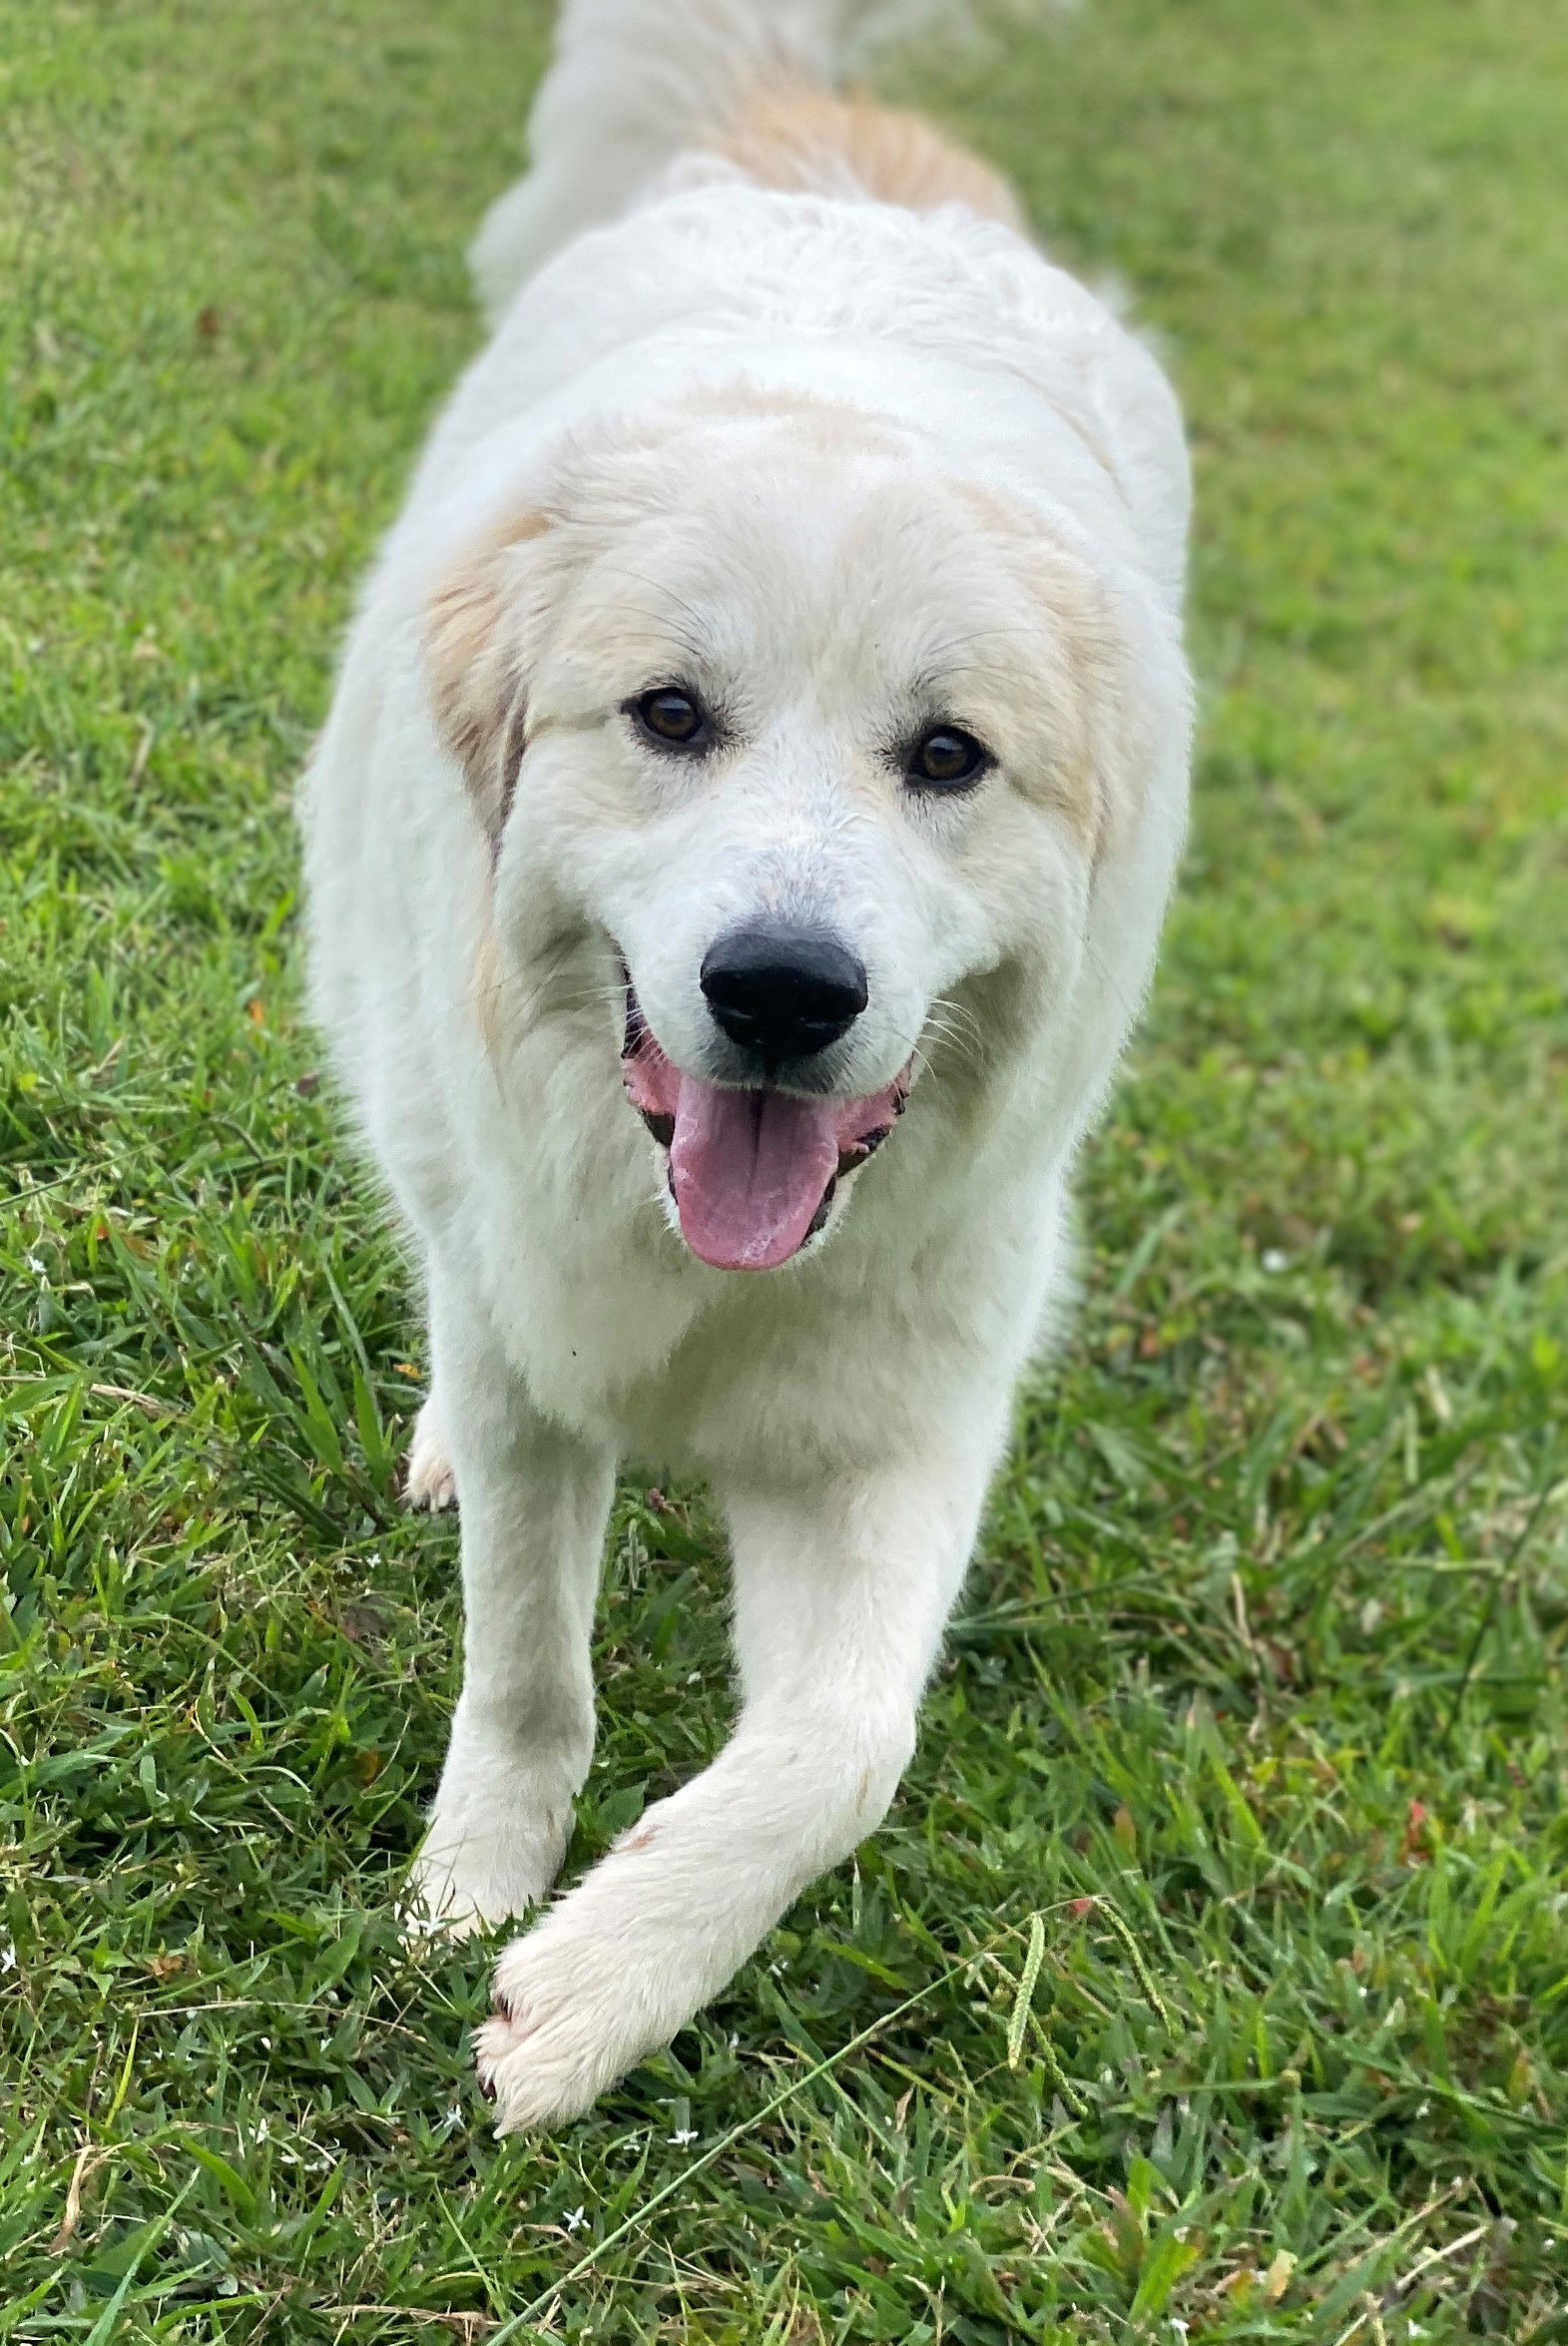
pixel 491 1852
pixel 568 2022
pixel 430 1482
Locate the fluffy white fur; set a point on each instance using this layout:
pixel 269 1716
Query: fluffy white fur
pixel 842 461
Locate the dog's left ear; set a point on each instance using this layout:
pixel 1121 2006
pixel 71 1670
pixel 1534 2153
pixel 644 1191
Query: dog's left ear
pixel 478 632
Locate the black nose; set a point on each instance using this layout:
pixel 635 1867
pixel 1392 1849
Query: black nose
pixel 782 993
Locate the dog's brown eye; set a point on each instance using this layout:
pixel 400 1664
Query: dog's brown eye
pixel 675 719
pixel 947 758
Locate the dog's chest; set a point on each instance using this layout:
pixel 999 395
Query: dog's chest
pixel 620 1334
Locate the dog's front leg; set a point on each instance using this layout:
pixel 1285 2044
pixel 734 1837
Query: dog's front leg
pixel 840 1607
pixel 534 1503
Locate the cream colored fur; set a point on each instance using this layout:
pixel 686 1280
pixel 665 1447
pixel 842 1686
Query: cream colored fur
pixel 778 399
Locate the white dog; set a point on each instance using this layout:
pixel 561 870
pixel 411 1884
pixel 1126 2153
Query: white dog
pixel 768 717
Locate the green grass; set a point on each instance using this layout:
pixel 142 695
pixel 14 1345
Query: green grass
pixel 1257 1698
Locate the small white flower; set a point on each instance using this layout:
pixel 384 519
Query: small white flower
pixel 681 2135
pixel 1423 2110
pixel 7 1956
pixel 1180 2327
pixel 1273 1261
pixel 453 2118
pixel 37 1264
pixel 261 2128
pixel 574 2218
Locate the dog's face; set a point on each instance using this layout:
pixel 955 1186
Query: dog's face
pixel 814 738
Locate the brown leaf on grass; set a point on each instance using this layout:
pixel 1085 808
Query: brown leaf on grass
pixel 362 1624
pixel 1277 2278
pixel 88 2162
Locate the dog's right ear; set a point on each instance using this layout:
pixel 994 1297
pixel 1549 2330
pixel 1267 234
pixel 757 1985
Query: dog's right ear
pixel 479 630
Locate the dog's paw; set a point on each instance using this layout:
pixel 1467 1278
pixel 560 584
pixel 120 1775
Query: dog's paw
pixel 486 1859
pixel 430 1482
pixel 565 2026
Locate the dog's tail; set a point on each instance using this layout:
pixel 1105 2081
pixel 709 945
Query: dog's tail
pixel 634 83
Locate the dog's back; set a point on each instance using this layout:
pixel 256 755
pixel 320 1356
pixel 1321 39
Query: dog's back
pixel 637 83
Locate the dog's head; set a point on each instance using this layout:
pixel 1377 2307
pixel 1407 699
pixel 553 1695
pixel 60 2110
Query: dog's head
pixel 814 739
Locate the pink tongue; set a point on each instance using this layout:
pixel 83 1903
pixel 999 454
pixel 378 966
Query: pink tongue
pixel 750 1170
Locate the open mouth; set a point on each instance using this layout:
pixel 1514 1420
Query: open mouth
pixel 753 1172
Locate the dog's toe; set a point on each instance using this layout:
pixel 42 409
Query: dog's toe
pixel 534 2074
pixel 557 2036
pixel 428 1913
pixel 430 1482
pixel 457 1886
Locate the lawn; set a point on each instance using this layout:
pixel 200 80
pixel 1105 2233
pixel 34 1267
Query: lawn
pixel 1252 1728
